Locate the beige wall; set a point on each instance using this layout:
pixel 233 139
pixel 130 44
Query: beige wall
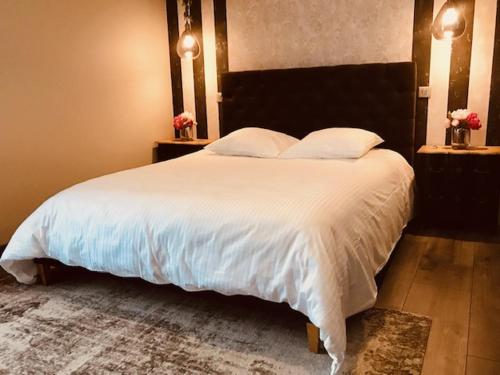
pixel 84 91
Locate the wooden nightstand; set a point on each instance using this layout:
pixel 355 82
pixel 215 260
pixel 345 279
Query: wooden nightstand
pixel 458 188
pixel 174 148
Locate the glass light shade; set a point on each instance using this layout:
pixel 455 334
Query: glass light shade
pixel 449 23
pixel 188 46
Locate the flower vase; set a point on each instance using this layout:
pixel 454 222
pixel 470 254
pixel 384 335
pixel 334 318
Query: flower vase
pixel 186 134
pixel 460 138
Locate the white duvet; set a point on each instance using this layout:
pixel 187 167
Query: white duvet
pixel 312 233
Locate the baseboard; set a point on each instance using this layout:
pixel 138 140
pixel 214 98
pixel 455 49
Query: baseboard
pixel 2 248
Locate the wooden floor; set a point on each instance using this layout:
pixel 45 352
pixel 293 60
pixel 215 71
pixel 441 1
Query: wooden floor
pixel 456 282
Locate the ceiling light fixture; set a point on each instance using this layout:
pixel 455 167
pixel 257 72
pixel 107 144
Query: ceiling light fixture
pixel 188 46
pixel 449 23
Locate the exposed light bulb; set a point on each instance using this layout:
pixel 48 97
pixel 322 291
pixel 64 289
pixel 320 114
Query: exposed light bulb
pixel 187 46
pixel 450 17
pixel 188 42
pixel 449 22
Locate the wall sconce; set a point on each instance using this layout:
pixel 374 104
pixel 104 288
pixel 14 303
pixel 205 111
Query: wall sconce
pixel 449 23
pixel 188 46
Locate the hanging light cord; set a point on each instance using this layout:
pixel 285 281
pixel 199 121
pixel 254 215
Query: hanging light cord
pixel 187 14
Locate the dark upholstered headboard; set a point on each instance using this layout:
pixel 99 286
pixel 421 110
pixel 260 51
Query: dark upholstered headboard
pixel 376 97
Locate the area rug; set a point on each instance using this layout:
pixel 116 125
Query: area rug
pixel 90 323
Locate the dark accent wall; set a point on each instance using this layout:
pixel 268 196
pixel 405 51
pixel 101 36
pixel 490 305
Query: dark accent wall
pixel 175 61
pixel 221 39
pixel 421 52
pixel 200 98
pixel 493 131
pixel 221 50
pixel 461 48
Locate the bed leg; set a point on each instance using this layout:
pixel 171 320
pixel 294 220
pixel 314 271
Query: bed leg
pixel 44 273
pixel 313 337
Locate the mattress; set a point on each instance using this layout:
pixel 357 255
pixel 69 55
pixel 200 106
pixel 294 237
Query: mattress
pixel 311 233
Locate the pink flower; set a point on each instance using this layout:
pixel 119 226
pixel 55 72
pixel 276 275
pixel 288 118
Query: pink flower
pixel 464 118
pixel 178 122
pixel 473 121
pixel 184 120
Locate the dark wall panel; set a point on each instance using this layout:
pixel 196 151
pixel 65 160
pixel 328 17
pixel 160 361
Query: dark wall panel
pixel 200 96
pixel 458 91
pixel 221 39
pixel 175 61
pixel 493 131
pixel 421 52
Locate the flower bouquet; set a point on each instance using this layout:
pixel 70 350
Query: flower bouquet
pixel 184 123
pixel 462 121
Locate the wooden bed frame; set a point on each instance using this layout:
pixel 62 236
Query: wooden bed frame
pixel 376 97
pixel 45 268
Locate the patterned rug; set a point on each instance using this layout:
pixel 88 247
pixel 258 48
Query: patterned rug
pixel 91 323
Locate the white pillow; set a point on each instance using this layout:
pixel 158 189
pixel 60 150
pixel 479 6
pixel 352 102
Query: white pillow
pixel 257 142
pixel 333 143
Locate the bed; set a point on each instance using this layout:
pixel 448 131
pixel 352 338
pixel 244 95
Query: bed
pixel 311 233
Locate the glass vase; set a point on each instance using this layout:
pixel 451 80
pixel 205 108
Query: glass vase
pixel 186 134
pixel 460 138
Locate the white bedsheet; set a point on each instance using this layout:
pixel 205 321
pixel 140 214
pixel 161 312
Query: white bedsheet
pixel 312 233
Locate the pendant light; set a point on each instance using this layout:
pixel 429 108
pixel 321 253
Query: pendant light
pixel 449 23
pixel 188 46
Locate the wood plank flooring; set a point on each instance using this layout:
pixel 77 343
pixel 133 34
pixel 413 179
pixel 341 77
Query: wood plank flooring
pixel 456 282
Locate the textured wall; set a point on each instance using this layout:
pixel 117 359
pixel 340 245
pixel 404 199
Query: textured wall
pixel 481 64
pixel 84 91
pixel 265 34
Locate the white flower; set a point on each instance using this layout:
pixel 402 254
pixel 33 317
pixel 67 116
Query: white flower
pixel 455 122
pixel 187 116
pixel 447 123
pixel 460 114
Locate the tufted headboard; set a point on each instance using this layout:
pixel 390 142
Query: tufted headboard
pixel 376 97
